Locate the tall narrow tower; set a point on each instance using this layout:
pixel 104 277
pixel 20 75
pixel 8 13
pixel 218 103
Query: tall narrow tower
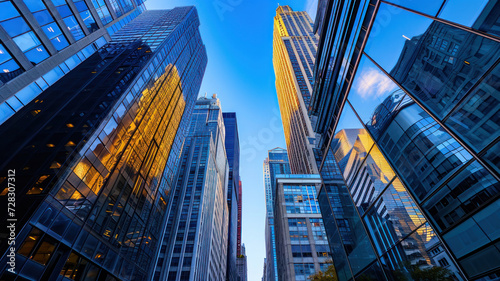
pixel 294 51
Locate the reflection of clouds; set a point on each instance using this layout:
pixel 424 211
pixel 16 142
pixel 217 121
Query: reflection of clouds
pixel 373 83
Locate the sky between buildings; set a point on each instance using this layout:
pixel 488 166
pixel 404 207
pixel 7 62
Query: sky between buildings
pixel 238 35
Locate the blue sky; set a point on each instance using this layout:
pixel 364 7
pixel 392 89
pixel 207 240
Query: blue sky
pixel 238 38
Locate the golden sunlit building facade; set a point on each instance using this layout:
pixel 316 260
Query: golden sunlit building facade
pixel 294 51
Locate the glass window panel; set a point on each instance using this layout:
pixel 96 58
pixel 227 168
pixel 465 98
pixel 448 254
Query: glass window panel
pixel 465 193
pixel 482 261
pixel 430 7
pixel 60 224
pixel 64 11
pixel 81 6
pixel 4 55
pixel 44 252
pixel 8 70
pixel 489 220
pixel 28 93
pixel 59 42
pixel 14 103
pixel 492 156
pixel 52 30
pixel 74 27
pixel 27 41
pixel 52 76
pixel 35 5
pixel 5 112
pixel 89 21
pixel 7 10
pixel 464 12
pixel 15 26
pixel 43 17
pixel 390 38
pixel 477 118
pixel 73 61
pixel 465 238
pixel 37 54
pixel 30 242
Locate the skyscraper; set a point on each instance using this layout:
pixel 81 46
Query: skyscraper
pixel 94 161
pixel 294 52
pixel 241 264
pixel 301 244
pixel 195 239
pixel 233 192
pixel 41 41
pixel 276 163
pixel 407 98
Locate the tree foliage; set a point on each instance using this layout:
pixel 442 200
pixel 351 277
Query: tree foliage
pixel 328 275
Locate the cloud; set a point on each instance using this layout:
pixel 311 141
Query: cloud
pixel 311 8
pixel 372 84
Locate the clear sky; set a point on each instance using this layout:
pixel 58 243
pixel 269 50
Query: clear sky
pixel 238 38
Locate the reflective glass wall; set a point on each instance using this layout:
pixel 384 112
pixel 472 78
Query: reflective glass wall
pixel 412 118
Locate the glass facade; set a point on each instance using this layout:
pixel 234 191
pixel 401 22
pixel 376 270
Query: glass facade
pixel 294 52
pixel 233 192
pixel 95 171
pixel 195 240
pixel 275 164
pixel 38 39
pixel 301 241
pixel 411 117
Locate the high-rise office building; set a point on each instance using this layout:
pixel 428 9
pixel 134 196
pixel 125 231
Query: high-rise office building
pixel 233 192
pixel 195 240
pixel 94 160
pixel 294 52
pixel 276 163
pixel 240 209
pixel 301 244
pixel 406 97
pixel 241 264
pixel 41 41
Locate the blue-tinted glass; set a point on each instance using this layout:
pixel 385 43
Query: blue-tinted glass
pixel 52 30
pixel 100 42
pixel 394 35
pixel 465 238
pixel 27 41
pixel 43 17
pixel 483 261
pixel 35 5
pixel 9 66
pixel 59 42
pixel 477 118
pixel 52 76
pixel 64 11
pixel 28 93
pixel 89 21
pixel 7 10
pixel 41 83
pixel 430 7
pixel 5 112
pixel 466 192
pixel 464 12
pixel 72 61
pixel 15 26
pixel 74 27
pixel 492 156
pixel 81 6
pixel 14 103
pixel 58 2
pixel 4 55
pixel 489 220
pixel 37 54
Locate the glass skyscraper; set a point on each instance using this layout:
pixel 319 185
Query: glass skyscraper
pixel 41 41
pixel 276 163
pixel 95 159
pixel 301 244
pixel 406 98
pixel 294 52
pixel 233 193
pixel 195 239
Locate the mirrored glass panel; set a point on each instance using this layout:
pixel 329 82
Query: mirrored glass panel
pixel 430 7
pixel 477 118
pixel 478 14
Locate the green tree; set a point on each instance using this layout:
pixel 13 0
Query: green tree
pixel 328 275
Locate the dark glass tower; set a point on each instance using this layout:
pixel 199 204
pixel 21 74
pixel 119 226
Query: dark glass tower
pixel 275 164
pixel 233 192
pixel 407 98
pixel 41 41
pixel 95 159
pixel 195 240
